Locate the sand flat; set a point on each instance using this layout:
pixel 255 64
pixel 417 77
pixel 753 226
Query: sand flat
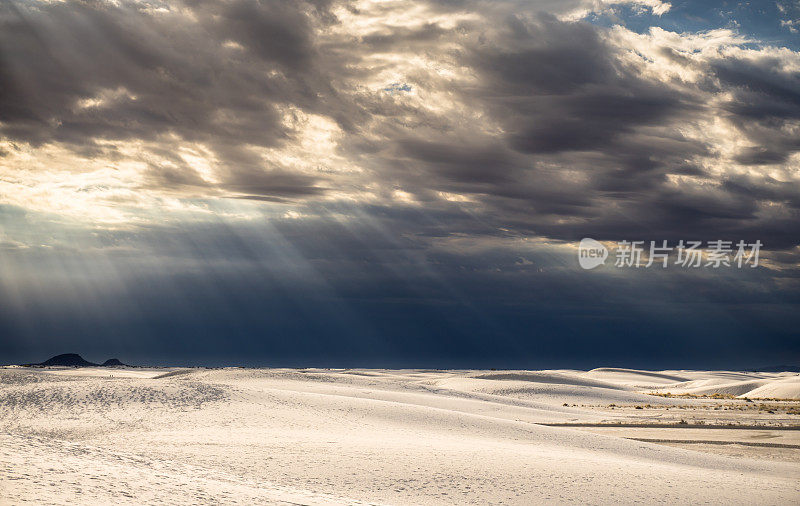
pixel 109 372
pixel 314 436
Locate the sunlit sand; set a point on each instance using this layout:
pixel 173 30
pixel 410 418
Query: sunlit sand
pixel 264 436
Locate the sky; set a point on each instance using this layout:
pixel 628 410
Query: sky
pixel 397 183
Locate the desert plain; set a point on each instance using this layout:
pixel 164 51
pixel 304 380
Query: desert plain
pixel 366 436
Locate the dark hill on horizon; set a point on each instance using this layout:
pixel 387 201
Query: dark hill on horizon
pixel 75 360
pixel 68 360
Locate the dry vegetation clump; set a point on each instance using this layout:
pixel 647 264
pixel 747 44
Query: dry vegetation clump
pixel 692 396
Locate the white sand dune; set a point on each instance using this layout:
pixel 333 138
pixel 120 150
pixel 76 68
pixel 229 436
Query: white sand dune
pixel 239 436
pixel 742 384
pixel 754 386
pixel 786 388
pixel 559 378
pixel 635 377
pixel 737 388
pixel 549 393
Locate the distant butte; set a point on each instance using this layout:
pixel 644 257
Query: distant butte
pixel 67 360
pixel 75 360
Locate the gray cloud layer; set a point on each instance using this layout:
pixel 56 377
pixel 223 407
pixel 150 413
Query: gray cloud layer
pixel 545 99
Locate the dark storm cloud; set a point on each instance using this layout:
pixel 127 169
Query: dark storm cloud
pixel 271 183
pixel 566 100
pixel 459 136
pixel 766 100
pixel 395 38
pixel 560 95
pixel 158 73
pixel 767 190
pixel 761 156
pixel 278 32
pixel 478 164
pixel 763 89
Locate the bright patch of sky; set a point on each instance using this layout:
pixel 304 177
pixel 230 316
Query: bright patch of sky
pixel 397 88
pixel 767 22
